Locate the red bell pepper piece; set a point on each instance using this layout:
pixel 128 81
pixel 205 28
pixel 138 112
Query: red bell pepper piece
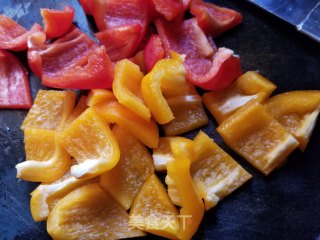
pixel 184 37
pixel 121 42
pixel 72 61
pixel 56 22
pixel 14 84
pixel 169 8
pixel 153 52
pixel 213 19
pixel 13 36
pixel 214 74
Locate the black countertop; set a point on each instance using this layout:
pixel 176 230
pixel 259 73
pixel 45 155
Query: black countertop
pixel 284 205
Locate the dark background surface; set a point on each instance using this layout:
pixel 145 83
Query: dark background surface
pixel 284 205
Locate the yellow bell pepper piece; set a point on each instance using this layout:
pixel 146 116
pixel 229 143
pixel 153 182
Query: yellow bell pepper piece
pixel 89 213
pixel 90 141
pixel 146 131
pixel 50 110
pixel 46 159
pixel 258 137
pixel 152 211
pixel 189 114
pixel 45 196
pixel 297 111
pixel 249 86
pixel 166 75
pixel 98 96
pixel 133 169
pixel 192 207
pixel 127 88
pixel 214 172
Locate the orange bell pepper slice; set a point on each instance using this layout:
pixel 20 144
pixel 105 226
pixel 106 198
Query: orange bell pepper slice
pixel 133 169
pixel 90 141
pixel 297 111
pixel 127 88
pixel 99 95
pixel 188 112
pixel 166 75
pixel 50 110
pixel 249 86
pixel 179 177
pixel 226 175
pixel 46 159
pixel 146 131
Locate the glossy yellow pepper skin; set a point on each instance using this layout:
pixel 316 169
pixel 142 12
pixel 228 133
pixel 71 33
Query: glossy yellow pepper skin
pixel 127 87
pixel 166 75
pixel 192 207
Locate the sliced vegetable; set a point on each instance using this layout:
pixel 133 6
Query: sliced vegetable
pixel 188 114
pixel 162 154
pixel 146 131
pixel 184 37
pixel 179 177
pixel 127 88
pixel 214 74
pixel 89 140
pixel 214 172
pixel 100 95
pixel 167 74
pixel 57 22
pixel 116 13
pixel 13 36
pixel 46 159
pixel 297 111
pixel 152 211
pixel 249 86
pixel 153 52
pixel 258 137
pixel 50 110
pixel 169 8
pixel 89 213
pixel 121 42
pixel 212 19
pixel 14 84
pixel 46 195
pixel 133 169
pixel 72 61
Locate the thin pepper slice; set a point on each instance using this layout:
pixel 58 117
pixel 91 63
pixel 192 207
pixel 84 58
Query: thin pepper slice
pixel 90 141
pixel 146 131
pixel 167 74
pixel 179 176
pixel 127 88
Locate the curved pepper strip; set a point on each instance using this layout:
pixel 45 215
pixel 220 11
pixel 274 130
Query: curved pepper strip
pixel 146 131
pixel 48 162
pixel 167 74
pixel 127 88
pixel 89 140
pixel 191 204
pixel 98 96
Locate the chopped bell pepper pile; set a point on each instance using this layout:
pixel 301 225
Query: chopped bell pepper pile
pixel 97 160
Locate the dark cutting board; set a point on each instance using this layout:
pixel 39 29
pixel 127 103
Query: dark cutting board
pixel 284 205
